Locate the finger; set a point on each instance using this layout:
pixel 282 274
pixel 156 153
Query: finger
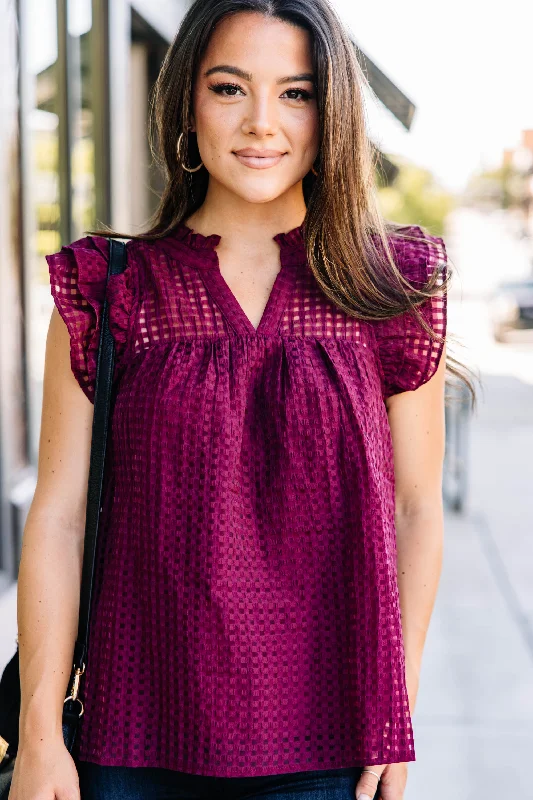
pixel 367 784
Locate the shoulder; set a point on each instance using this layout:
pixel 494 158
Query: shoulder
pixel 85 262
pixel 93 250
pixel 79 285
pixel 79 279
pixel 418 253
pixel 409 355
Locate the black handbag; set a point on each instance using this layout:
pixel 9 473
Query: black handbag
pixel 10 682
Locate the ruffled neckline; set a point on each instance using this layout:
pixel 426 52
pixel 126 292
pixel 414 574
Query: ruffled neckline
pixel 200 250
pixel 292 239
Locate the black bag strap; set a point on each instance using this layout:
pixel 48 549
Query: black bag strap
pixel 102 404
pixel 10 679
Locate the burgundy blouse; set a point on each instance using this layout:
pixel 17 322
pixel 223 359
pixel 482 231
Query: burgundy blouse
pixel 245 617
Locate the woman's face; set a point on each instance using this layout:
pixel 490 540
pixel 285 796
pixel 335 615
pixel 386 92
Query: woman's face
pixel 254 89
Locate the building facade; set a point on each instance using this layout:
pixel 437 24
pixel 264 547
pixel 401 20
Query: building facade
pixel 74 82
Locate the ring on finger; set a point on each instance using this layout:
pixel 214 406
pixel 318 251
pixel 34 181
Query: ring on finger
pixel 373 773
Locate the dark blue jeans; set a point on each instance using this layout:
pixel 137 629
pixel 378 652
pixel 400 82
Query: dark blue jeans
pixel 154 783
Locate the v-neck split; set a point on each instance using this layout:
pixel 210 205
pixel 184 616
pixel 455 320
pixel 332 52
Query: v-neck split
pixel 292 254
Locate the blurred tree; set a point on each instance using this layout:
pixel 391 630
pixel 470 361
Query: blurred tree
pixel 505 186
pixel 414 198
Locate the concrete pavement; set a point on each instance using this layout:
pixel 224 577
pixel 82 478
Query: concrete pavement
pixel 473 722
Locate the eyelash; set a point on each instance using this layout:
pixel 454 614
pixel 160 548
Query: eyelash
pixel 218 88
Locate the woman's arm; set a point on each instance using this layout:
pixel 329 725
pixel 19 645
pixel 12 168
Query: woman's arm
pixel 416 419
pixel 417 425
pixel 52 547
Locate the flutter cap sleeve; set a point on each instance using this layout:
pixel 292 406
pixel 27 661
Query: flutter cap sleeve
pixel 408 356
pixel 78 283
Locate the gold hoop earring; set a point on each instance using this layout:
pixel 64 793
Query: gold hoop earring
pixel 178 146
pixel 313 170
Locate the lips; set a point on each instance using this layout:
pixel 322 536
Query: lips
pixel 258 159
pixel 254 152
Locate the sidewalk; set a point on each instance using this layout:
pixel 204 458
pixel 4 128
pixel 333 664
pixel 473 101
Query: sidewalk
pixel 473 721
pixel 474 712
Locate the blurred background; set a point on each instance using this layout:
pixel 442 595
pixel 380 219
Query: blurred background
pixel 450 112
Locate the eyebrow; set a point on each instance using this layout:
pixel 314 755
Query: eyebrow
pixel 247 76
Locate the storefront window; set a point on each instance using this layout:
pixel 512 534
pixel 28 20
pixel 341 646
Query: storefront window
pixel 79 21
pixel 12 419
pixel 41 191
pixel 59 163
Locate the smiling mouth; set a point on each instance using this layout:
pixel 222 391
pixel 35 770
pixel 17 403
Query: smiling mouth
pixel 259 162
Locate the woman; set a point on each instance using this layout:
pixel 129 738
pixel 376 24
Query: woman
pixel 273 492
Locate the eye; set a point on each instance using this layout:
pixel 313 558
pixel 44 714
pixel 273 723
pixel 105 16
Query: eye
pixel 231 89
pixel 220 88
pixel 304 95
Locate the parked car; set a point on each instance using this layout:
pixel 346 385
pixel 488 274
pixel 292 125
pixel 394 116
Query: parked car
pixel 511 307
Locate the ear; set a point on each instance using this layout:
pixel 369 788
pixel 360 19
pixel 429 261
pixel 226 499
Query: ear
pixel 192 126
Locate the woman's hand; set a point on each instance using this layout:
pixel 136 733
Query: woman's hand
pixel 392 783
pixel 44 772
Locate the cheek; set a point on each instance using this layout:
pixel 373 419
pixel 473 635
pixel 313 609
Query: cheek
pixel 303 131
pixel 216 122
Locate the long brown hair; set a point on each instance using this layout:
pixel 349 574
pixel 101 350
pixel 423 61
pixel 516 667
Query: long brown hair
pixel 347 238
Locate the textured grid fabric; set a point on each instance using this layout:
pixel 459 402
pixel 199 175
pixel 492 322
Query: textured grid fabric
pixel 245 617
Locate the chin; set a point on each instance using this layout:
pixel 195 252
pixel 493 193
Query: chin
pixel 262 192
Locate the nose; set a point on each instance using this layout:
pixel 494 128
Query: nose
pixel 261 116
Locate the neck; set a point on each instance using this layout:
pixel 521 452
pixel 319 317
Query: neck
pixel 238 219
